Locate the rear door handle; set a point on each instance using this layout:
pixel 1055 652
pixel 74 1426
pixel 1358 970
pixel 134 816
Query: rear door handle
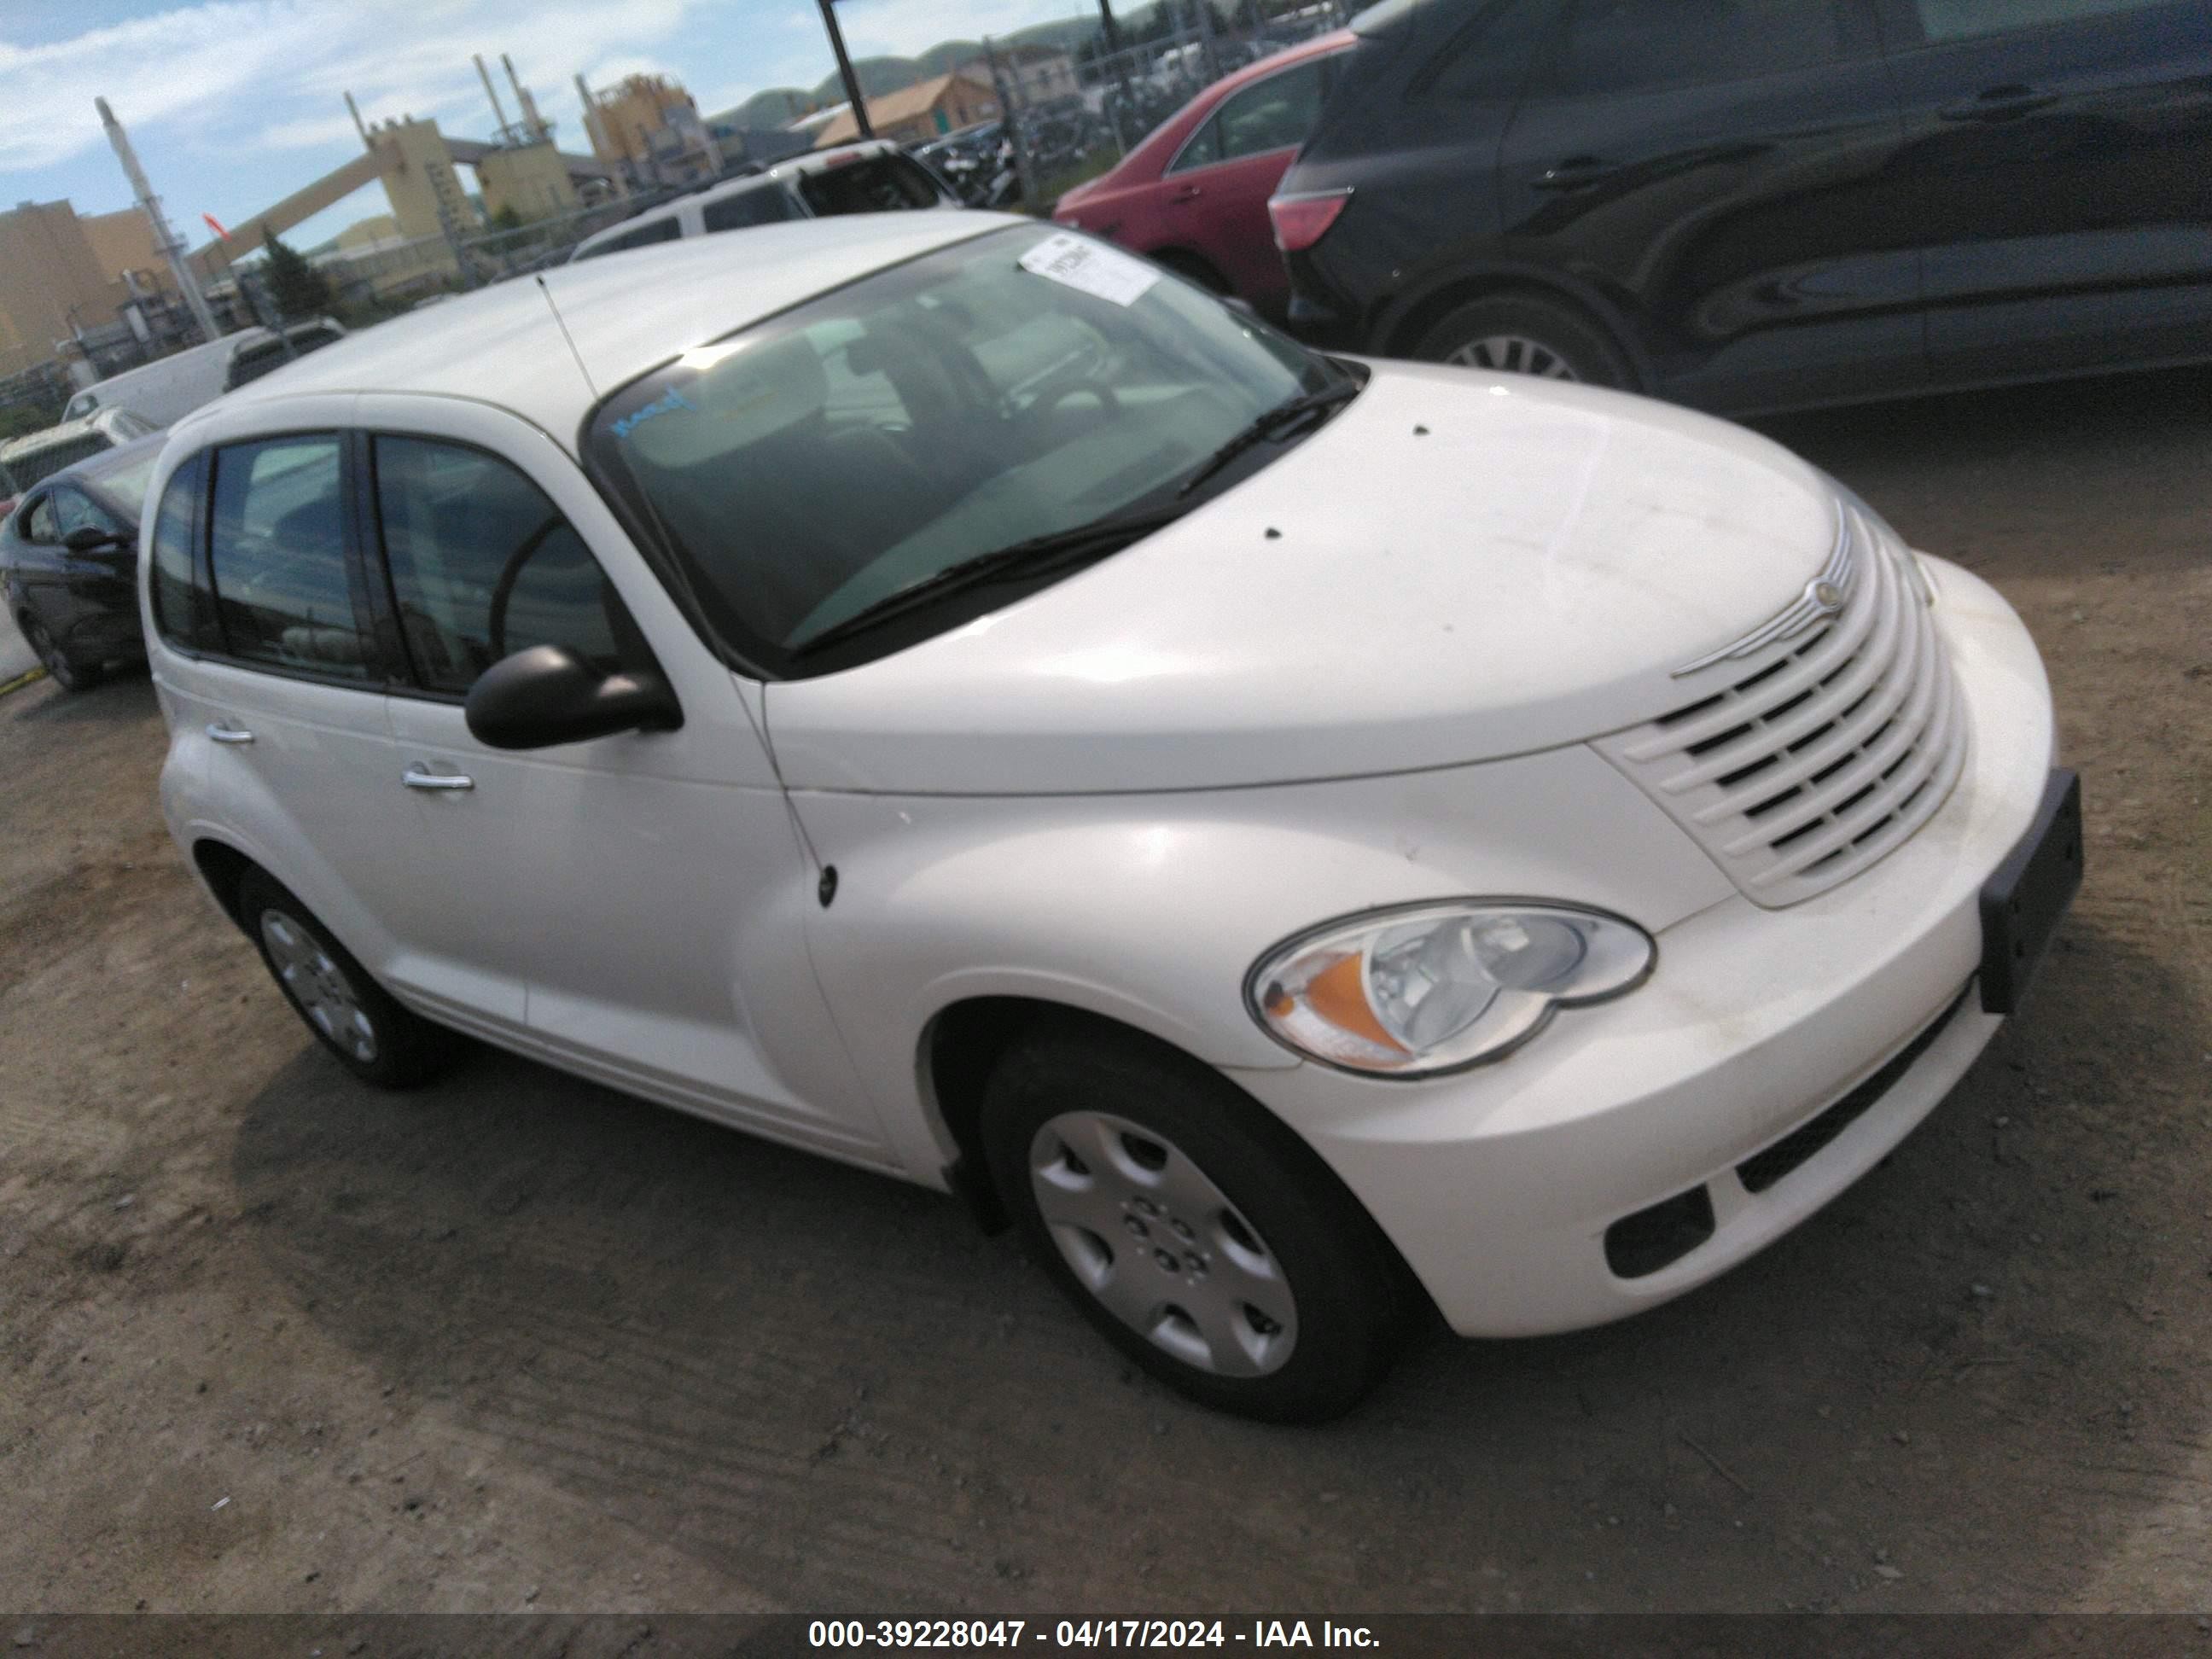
pixel 1576 173
pixel 1998 104
pixel 218 732
pixel 418 777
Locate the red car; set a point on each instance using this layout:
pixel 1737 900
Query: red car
pixel 1194 194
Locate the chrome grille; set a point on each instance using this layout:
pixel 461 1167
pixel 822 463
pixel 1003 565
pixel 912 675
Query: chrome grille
pixel 1799 765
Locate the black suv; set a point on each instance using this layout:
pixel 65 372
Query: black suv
pixel 1753 204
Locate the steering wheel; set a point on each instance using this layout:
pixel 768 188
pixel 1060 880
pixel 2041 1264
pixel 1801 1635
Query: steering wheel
pixel 1058 391
pixel 502 591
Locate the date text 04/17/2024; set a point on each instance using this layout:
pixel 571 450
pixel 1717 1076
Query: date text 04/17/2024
pixel 1067 1633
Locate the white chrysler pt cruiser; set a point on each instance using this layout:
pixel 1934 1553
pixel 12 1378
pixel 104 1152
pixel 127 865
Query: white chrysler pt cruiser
pixel 1304 841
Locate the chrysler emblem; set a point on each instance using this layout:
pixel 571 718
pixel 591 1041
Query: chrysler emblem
pixel 1824 597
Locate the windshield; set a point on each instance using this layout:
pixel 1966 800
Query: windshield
pixel 1018 385
pixel 124 486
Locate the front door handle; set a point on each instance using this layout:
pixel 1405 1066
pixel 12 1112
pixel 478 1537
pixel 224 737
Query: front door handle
pixel 218 732
pixel 418 777
pixel 1998 104
pixel 1188 193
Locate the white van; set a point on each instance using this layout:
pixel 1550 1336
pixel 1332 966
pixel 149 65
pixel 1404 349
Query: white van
pixel 166 391
pixel 874 176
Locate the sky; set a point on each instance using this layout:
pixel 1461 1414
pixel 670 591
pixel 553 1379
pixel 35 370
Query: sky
pixel 233 104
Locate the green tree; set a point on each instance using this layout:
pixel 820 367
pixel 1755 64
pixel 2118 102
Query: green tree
pixel 295 288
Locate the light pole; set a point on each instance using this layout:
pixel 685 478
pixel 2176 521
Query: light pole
pixel 845 71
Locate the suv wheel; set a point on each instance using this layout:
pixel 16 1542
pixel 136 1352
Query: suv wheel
pixel 1196 1232
pixel 63 670
pixel 1521 334
pixel 350 1013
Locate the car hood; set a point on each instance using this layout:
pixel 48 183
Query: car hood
pixel 1457 566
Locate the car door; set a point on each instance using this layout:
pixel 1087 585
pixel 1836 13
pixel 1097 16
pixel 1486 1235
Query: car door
pixel 1214 192
pixel 275 689
pixel 1720 169
pixel 35 562
pixel 2058 168
pixel 634 906
pixel 101 582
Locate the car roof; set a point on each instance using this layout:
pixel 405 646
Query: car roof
pixel 627 313
pixel 95 467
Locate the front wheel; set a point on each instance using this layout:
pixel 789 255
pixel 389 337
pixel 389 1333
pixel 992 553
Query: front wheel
pixel 1196 1232
pixel 1522 334
pixel 350 1013
pixel 63 669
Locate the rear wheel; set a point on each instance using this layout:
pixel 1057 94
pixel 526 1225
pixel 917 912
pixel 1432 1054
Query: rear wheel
pixel 1196 1232
pixel 1522 334
pixel 61 668
pixel 350 1013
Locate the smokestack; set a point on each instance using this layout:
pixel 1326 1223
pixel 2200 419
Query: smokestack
pixel 491 93
pixel 172 249
pixel 354 110
pixel 538 131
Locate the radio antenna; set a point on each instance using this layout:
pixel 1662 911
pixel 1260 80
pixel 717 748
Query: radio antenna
pixel 563 325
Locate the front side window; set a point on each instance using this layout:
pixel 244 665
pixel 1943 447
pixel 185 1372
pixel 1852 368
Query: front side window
pixel 1615 47
pixel 73 510
pixel 1027 383
pixel 875 184
pixel 1275 114
pixel 39 525
pixel 79 406
pixel 483 565
pixel 741 209
pixel 277 549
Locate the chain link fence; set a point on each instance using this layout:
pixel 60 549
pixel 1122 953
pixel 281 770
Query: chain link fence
pixel 1062 126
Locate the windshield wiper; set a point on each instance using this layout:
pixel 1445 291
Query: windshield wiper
pixel 1272 423
pixel 1029 557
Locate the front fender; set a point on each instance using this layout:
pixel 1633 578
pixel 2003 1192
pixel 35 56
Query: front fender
pixel 1149 910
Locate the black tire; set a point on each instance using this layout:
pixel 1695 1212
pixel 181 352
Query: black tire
pixel 1556 341
pixel 1285 1210
pixel 402 1048
pixel 62 669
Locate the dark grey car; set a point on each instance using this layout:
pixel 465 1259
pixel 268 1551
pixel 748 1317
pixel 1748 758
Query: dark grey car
pixel 68 563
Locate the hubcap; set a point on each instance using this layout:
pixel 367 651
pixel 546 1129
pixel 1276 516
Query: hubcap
pixel 57 665
pixel 1148 1233
pixel 1513 354
pixel 318 985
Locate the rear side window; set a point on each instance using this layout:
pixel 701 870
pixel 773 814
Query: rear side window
pixel 1960 19
pixel 180 611
pixel 483 565
pixel 744 208
pixel 660 230
pixel 253 361
pixel 1275 114
pixel 1629 46
pixel 276 549
pixel 1487 61
pixel 882 183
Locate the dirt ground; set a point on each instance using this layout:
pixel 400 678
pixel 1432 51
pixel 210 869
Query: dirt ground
pixel 269 1340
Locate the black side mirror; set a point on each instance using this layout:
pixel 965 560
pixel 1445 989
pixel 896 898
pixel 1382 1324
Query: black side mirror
pixel 90 539
pixel 548 694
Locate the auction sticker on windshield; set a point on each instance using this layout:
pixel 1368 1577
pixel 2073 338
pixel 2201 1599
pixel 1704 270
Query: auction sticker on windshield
pixel 1092 269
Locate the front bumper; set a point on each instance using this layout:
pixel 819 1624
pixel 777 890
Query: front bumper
pixel 1499 1185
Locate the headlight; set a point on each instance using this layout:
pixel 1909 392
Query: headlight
pixel 1420 989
